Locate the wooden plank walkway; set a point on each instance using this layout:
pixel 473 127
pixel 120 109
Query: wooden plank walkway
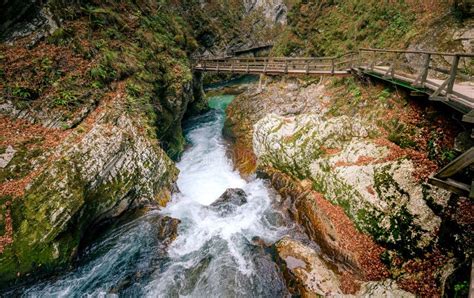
pixel 461 98
pixel 455 90
pixel 453 85
pixel 278 66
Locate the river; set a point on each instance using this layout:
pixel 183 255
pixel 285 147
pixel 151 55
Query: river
pixel 214 254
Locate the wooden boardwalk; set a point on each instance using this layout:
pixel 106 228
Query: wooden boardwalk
pixel 444 77
pixel 453 84
pixel 278 66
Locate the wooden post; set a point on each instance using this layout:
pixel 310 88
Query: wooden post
pixel 286 66
pixel 204 64
pixel 373 60
pixel 394 65
pixel 457 165
pixel 426 68
pixel 248 70
pixel 452 75
pixel 265 63
pixel 332 66
pixel 217 66
pixel 421 79
pixel 232 66
pixel 307 66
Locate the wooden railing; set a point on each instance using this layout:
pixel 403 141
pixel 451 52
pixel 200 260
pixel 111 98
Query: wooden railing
pixel 446 77
pixel 445 177
pixel 279 65
pixel 442 73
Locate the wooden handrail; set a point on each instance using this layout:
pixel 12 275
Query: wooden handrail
pixel 460 54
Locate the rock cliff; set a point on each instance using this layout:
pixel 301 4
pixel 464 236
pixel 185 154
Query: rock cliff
pixel 351 159
pixel 92 96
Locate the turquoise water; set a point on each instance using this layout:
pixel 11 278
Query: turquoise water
pixel 246 79
pixel 220 102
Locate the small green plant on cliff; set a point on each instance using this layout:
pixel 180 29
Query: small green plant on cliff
pixel 461 289
pixel 102 73
pixel 399 134
pixel 62 36
pixel 438 152
pixel 65 98
pixel 384 95
pixel 20 92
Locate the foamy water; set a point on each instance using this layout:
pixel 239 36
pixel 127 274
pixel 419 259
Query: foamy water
pixel 213 255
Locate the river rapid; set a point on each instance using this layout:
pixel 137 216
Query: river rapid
pixel 214 254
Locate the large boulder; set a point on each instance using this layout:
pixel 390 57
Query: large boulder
pixel 306 270
pixel 229 201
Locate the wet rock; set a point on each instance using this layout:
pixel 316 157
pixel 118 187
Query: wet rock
pixel 305 271
pixel 229 201
pixel 463 142
pixel 268 274
pixel 168 229
pixel 387 288
pixel 257 241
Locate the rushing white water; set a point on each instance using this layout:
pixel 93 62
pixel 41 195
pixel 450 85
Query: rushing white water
pixel 213 255
pixel 218 247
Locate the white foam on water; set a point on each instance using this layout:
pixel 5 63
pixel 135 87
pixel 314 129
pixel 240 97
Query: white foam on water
pixel 212 256
pixel 205 173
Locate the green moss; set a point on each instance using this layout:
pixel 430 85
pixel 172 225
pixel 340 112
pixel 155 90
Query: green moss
pixel 399 134
pixel 20 165
pixel 61 36
pixel 346 25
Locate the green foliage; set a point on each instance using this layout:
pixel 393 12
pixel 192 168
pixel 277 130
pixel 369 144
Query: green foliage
pixel 66 98
pixel 20 95
pixel 437 152
pixel 133 89
pixel 105 17
pixel 461 289
pixel 384 95
pixel 20 92
pixel 102 73
pixel 320 28
pixel 62 36
pixel 399 134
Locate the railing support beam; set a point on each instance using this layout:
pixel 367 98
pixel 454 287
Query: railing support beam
pixel 421 79
pixel 452 75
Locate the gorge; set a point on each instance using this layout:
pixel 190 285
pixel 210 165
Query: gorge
pixel 120 175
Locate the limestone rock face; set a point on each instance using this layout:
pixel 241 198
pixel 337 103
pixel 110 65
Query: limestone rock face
pixel 387 288
pixel 100 170
pixel 311 273
pixel 358 192
pixel 6 156
pixel 313 276
pixel 378 193
pixel 21 18
pixel 274 10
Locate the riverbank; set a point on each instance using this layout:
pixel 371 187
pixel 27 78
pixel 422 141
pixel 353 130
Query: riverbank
pixel 353 158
